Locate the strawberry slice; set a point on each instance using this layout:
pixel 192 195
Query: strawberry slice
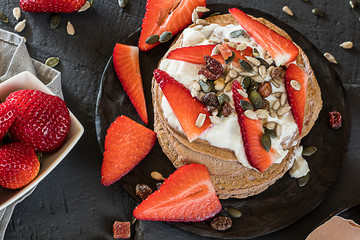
pixel 8 114
pixel 186 196
pixel 296 98
pixel 195 54
pixel 126 144
pixel 161 16
pixel 282 50
pixel 126 63
pixel 251 132
pixel 185 107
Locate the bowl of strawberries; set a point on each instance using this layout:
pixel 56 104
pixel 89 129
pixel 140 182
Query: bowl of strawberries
pixel 37 131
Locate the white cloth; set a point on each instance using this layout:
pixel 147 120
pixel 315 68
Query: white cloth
pixel 14 59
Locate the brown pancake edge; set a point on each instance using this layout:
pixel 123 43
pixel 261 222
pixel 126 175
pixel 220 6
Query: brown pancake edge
pixel 229 177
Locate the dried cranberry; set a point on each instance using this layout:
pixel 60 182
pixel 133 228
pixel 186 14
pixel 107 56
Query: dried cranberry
pixel 335 119
pixel 227 109
pixel 143 191
pixel 206 72
pixel 221 223
pixel 265 104
pixel 214 65
pixel 121 229
pixel 278 73
pixel 210 99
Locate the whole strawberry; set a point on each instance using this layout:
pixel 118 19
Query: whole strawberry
pixel 43 122
pixel 8 113
pixel 58 6
pixel 19 165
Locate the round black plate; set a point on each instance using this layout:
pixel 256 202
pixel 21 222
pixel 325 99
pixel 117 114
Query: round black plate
pixel 284 202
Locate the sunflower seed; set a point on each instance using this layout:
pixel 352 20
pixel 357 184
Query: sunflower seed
pixel 258 79
pixel 278 130
pixel 254 61
pixel 228 87
pixel 347 45
pixel 52 61
pixel 275 83
pixel 262 113
pixel 266 142
pixel 245 65
pixel 250 114
pixel 215 50
pixel 277 94
pixel 201 22
pixel 194 16
pixel 287 10
pixel 270 125
pixel 243 93
pixel 236 33
pixel 200 120
pixel 309 151
pixel 20 26
pixel 87 5
pixel 330 57
pixel 272 113
pixel 269 70
pixel 245 105
pixel 55 21
pixel 165 36
pixel 241 47
pixel 295 85
pixel 302 181
pixel 318 12
pixel 281 111
pixel 17 13
pixel 152 39
pixel 215 119
pixel 202 9
pixel 70 28
pixel 353 4
pixel 3 17
pixel 232 44
pixel 276 105
pixel 283 99
pixel 233 73
pixel 157 176
pixel 246 74
pixel 233 212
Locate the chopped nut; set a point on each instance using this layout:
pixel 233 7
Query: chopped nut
pixel 347 45
pixel 215 120
pixel 17 13
pixel 251 114
pixel 196 86
pixel 241 47
pixel 200 120
pixel 20 26
pixel 265 89
pixel 295 85
pixel 194 92
pixel 287 10
pixel 157 176
pixel 70 28
pixel 330 57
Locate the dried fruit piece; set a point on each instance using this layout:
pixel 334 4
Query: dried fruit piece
pixel 221 223
pixel 143 191
pixel 335 119
pixel 121 229
pixel 210 99
pixel 51 5
pixel 214 65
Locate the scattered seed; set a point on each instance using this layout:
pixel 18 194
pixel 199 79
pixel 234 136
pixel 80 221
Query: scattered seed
pixel 241 47
pixel 194 16
pixel 347 45
pixel 276 105
pixel 205 87
pixel 270 69
pixel 318 12
pixel 202 9
pixel 133 220
pixel 287 10
pixel 231 58
pixel 20 26
pixel 254 61
pixel 233 212
pixel 270 125
pixel 262 113
pixel 52 61
pixel 152 39
pixel 215 50
pixel 223 98
pixel 3 17
pixel 262 71
pixel 263 63
pixel 253 87
pixel 245 65
pixel 251 114
pixel 309 151
pixel 17 13
pixel 165 36
pixel 353 4
pixel 246 81
pixel 200 120
pixel 281 111
pixel 201 22
pixel 157 176
pixel 302 181
pixel 277 94
pixel 87 5
pixel 91 3
pixel 256 52
pixel 236 33
pixel 244 74
pixel 255 99
pixel 215 119
pixel 278 130
pixel 266 142
pixel 70 28
pixel 283 99
pixel 258 79
pixel 271 133
pixel 228 87
pixel 221 223
pixel 55 21
pixel 330 57
pixel 24 39
pixel 275 83
pixel 232 44
pixel 242 93
pixel 245 105
pixel 295 85
pixel 272 113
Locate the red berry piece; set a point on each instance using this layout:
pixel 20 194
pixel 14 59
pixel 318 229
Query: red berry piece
pixel 62 6
pixel 121 229
pixel 335 119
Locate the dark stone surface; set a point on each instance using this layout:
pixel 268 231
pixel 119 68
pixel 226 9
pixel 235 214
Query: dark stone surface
pixel 71 203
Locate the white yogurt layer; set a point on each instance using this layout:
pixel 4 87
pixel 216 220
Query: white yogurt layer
pixel 227 133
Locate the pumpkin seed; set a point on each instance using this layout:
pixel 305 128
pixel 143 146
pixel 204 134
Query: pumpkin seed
pixel 246 81
pixel 309 151
pixel 200 120
pixel 263 62
pixel 223 98
pixel 165 36
pixel 278 130
pixel 85 7
pixel 91 3
pixel 20 26
pixel 205 87
pixel 353 4
pixel 302 181
pixel 347 45
pixel 231 58
pixel 330 57
pixel 55 21
pixel 3 17
pixel 245 65
pixel 256 52
pixel 17 13
pixel 152 39
pixel 318 12
pixel 266 142
pixel 270 132
pixel 255 99
pixel 70 28
pixel 250 114
pixel 233 212
pixel 236 33
pixel 157 176
pixel 245 105
pixel 253 87
pixel 122 3
pixel 52 61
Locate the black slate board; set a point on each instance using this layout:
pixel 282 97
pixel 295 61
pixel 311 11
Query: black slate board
pixel 284 202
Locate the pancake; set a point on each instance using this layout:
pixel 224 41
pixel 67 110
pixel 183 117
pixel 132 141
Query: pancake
pixel 229 176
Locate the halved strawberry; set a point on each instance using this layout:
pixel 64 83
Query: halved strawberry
pixel 296 98
pixel 126 144
pixel 186 196
pixel 251 132
pixel 195 54
pixel 8 114
pixel 282 50
pixel 126 63
pixel 185 107
pixel 161 16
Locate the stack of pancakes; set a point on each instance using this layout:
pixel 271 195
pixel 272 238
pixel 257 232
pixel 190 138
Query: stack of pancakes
pixel 231 178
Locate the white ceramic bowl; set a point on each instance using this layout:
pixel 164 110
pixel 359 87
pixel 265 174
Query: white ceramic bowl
pixel 49 161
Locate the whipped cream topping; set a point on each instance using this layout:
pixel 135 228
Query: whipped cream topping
pixel 227 133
